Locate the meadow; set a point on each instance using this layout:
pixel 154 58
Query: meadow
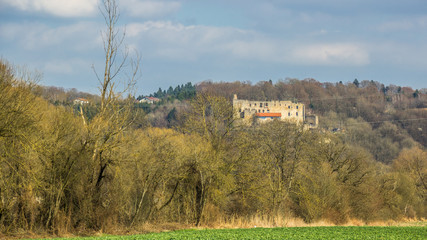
pixel 280 233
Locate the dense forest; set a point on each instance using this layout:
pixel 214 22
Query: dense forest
pixel 109 164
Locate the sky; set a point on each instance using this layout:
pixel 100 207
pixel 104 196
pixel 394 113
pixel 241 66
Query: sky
pixel 182 41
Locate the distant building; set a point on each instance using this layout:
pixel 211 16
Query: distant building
pixel 262 111
pixel 81 101
pixel 149 100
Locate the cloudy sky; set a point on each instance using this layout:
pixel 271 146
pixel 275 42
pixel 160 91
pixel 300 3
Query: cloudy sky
pixel 223 40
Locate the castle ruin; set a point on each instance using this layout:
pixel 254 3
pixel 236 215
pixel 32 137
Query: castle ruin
pixel 262 111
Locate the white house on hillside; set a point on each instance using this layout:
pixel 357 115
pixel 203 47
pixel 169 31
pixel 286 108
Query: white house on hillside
pixel 81 101
pixel 149 100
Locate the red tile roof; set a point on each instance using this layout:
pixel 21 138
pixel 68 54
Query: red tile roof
pixel 268 114
pixel 153 99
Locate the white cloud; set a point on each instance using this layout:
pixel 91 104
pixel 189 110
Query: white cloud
pixel 331 54
pixel 60 8
pixel 176 41
pixel 82 8
pixel 149 9
pixel 135 29
pixel 79 36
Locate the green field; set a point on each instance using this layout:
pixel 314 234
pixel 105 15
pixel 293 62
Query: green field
pixel 282 233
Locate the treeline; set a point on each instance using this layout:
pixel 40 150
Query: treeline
pixel 61 171
pixel 180 92
pixel 323 97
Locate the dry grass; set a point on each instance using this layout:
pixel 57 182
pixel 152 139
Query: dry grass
pixel 263 221
pixel 280 221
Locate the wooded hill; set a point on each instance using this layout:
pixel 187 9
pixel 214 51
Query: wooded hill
pixel 109 165
pixel 382 117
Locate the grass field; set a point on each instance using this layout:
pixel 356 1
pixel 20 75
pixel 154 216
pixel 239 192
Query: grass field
pixel 282 233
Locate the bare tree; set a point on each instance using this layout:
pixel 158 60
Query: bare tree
pixel 106 130
pixel 115 61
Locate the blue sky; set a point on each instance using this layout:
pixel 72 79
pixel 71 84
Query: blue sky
pixel 236 40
